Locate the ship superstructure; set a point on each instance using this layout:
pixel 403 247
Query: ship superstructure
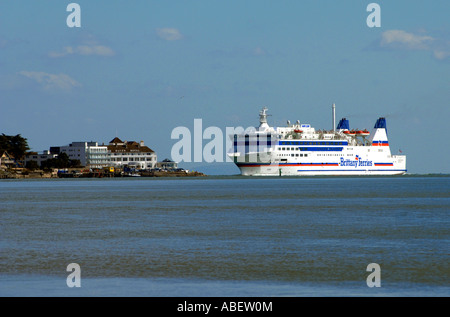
pixel 300 149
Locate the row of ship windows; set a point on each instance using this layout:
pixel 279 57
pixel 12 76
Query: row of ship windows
pixel 294 155
pixel 333 155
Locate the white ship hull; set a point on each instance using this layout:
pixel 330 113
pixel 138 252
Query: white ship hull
pixel 395 165
pixel 289 170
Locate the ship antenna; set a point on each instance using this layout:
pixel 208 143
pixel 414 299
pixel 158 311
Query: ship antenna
pixel 263 118
pixel 334 117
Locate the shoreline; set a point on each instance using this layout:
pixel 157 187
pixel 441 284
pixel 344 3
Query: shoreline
pixel 19 173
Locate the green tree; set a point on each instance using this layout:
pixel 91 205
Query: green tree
pixel 75 163
pixel 62 161
pixel 15 145
pixel 32 165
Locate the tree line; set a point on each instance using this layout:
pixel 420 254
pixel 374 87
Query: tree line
pixel 17 147
pixel 61 161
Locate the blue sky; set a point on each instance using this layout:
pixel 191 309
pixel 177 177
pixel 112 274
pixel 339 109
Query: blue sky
pixel 139 69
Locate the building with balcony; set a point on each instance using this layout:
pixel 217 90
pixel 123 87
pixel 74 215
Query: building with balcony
pixel 90 154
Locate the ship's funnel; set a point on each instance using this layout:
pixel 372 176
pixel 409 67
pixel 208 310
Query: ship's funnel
pixel 380 124
pixel 343 124
pixel 379 137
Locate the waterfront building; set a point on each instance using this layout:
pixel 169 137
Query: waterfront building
pixel 90 154
pixel 131 154
pixel 7 160
pixel 167 164
pixel 39 158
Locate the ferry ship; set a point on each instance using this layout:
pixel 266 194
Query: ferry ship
pixel 299 149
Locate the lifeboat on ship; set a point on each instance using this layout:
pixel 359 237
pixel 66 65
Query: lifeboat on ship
pixel 346 132
pixel 298 131
pixel 353 132
pixel 363 133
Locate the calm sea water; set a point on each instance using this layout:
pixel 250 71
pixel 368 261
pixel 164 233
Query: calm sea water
pixel 226 236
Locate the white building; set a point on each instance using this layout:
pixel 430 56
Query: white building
pixel 39 158
pixel 90 154
pixel 131 154
pixel 167 164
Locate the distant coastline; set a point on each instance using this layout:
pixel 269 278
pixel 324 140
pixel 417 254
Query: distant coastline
pixel 23 173
pixel 39 174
